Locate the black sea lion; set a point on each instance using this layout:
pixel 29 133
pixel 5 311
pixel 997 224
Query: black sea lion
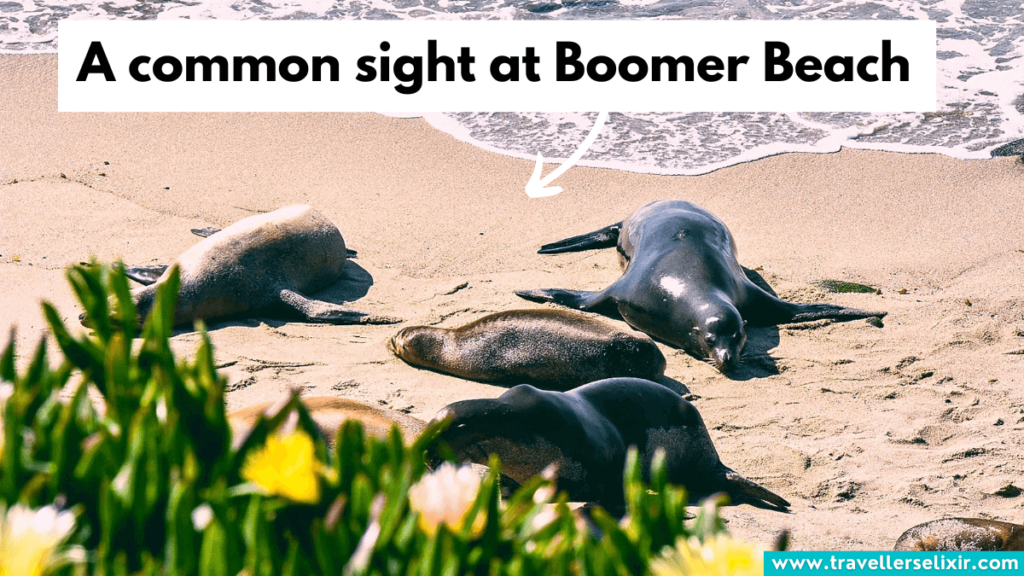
pixel 964 534
pixel 264 263
pixel 553 348
pixel 586 433
pixel 329 412
pixel 682 283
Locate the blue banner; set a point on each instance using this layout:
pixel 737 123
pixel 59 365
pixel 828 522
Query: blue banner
pixel 874 563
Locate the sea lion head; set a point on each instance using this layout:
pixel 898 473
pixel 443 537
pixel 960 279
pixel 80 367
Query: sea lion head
pixel 514 427
pixel 418 345
pixel 721 335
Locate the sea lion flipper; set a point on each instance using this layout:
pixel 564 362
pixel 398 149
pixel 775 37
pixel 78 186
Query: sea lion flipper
pixel 205 232
pixel 811 312
pixel 578 299
pixel 145 275
pixel 604 238
pixel 744 491
pixel 763 309
pixel 330 313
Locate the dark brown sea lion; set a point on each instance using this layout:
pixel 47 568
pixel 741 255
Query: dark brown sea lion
pixel 266 263
pixel 586 432
pixel 329 412
pixel 682 283
pixel 556 349
pixel 964 534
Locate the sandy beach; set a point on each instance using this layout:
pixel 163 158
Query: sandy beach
pixel 867 431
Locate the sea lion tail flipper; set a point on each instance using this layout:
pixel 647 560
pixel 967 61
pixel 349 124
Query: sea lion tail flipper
pixel 744 491
pixel 205 232
pixel 145 275
pixel 330 313
pixel 604 238
pixel 351 254
pixel 578 299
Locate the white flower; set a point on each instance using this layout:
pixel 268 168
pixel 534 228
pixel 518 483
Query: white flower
pixel 546 516
pixel 202 516
pixel 445 496
pixel 29 539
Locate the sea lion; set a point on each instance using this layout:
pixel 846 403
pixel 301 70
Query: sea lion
pixel 964 534
pixel 556 349
pixel 329 412
pixel 264 263
pixel 682 283
pixel 586 433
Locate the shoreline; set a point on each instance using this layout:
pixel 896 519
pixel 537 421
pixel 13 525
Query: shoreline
pixel 867 431
pixel 835 144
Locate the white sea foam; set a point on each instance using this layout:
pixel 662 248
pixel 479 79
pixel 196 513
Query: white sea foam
pixel 980 76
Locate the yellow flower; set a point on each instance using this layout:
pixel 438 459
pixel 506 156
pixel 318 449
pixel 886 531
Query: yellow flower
pixel 717 556
pixel 29 539
pixel 286 466
pixel 446 496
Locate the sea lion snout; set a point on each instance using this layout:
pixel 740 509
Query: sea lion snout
pixel 724 358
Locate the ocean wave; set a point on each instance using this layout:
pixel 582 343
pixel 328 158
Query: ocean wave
pixel 980 76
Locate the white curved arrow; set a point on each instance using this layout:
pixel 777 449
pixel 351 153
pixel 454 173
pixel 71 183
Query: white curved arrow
pixel 536 188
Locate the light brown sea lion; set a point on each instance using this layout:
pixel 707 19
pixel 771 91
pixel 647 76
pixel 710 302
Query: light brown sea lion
pixel 963 534
pixel 329 412
pixel 266 263
pixel 555 349
pixel 682 283
pixel 586 433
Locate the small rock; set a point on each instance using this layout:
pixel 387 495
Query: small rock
pixel 876 322
pixel 968 302
pixel 998 422
pixel 902 291
pixel 1008 491
pixel 345 385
